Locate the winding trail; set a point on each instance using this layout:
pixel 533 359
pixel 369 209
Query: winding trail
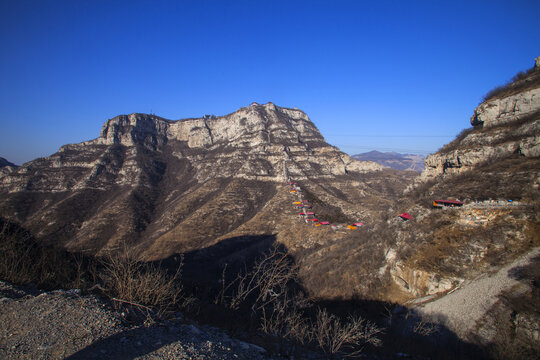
pixel 466 305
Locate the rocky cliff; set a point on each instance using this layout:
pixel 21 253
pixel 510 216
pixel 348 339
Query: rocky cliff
pixel 466 259
pixel 259 142
pixel 503 125
pixel 167 186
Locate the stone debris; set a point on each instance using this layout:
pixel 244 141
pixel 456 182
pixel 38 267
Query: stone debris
pixel 63 324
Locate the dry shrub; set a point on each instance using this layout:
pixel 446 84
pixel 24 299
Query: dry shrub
pixel 23 260
pixel 515 85
pixel 138 283
pixel 454 144
pixel 334 335
pixel 282 311
pixel 269 279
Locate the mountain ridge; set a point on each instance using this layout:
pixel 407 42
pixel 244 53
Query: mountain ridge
pixel 393 160
pixel 184 184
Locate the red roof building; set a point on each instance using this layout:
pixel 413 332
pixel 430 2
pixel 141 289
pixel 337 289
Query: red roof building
pixel 405 216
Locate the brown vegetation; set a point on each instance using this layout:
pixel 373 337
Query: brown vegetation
pixel 522 81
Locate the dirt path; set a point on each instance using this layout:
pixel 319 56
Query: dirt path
pixel 462 308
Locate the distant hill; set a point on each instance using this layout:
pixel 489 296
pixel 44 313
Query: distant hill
pixel 394 160
pixel 4 162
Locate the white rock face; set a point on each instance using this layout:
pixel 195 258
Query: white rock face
pixel 503 127
pixel 421 283
pixel 255 142
pixel 258 142
pixel 506 110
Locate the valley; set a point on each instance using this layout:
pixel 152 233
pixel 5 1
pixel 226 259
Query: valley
pixel 215 195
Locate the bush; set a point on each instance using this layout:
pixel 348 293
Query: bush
pixel 136 283
pixel 333 335
pixel 26 261
pixel 281 309
pixel 455 143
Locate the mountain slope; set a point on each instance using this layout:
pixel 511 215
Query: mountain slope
pixel 494 169
pixel 172 186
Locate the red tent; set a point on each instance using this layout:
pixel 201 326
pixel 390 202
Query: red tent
pixel 405 216
pixel 324 223
pixel 358 224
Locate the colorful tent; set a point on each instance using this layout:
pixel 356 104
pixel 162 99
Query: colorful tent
pixel 325 223
pixel 449 203
pixel 358 224
pixel 351 227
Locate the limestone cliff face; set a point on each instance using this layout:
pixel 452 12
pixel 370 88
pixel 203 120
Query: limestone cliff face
pixel 502 127
pixel 176 185
pixel 494 161
pixel 263 142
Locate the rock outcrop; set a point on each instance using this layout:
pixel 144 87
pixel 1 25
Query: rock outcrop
pixel 259 142
pixel 6 167
pixel 502 126
pixel 4 163
pixel 166 186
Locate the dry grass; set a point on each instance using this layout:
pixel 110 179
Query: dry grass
pixel 333 335
pixel 522 81
pixel 137 283
pixel 23 260
pixel 271 293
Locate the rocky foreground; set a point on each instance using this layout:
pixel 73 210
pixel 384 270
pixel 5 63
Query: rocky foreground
pixel 63 324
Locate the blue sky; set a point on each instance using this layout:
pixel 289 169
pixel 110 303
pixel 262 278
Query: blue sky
pixel 384 75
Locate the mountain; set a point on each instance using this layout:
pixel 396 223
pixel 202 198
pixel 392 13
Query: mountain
pixel 4 162
pixel 165 186
pixel 393 160
pixel 480 251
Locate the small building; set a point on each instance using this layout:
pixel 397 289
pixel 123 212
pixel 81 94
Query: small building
pixel 446 203
pixel 405 216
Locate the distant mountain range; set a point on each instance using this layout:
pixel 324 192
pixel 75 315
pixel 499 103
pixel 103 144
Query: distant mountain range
pixel 393 160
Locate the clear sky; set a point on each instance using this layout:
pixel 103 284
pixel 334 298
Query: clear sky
pixel 372 75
